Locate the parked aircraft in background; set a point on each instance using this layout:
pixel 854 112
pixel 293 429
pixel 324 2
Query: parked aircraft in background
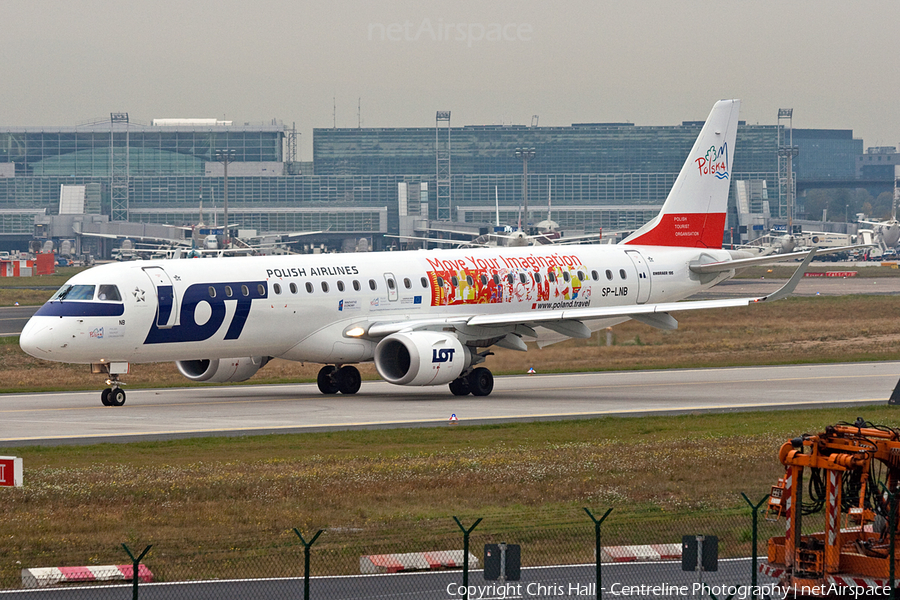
pixel 425 318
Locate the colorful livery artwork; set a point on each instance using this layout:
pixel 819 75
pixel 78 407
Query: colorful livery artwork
pixel 506 279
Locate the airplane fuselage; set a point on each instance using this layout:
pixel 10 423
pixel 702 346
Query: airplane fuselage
pixel 300 307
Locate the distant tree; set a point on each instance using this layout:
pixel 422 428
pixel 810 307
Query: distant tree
pixel 882 209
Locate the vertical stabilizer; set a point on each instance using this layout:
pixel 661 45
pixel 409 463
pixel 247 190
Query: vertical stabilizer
pixel 694 212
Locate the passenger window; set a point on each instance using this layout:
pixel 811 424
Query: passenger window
pixel 407 283
pixel 609 274
pixel 261 289
pixel 581 276
pixel 496 279
pixel 595 275
pixel 109 293
pixel 325 286
pixel 356 285
pixel 511 278
pixel 537 277
pixel 212 292
pixel 390 283
pixel 484 279
pixel 245 290
pixel 293 288
pixel 523 278
pixel 454 281
pixel 277 288
pixel 228 291
pixel 309 287
pixel 566 276
pixel 340 285
pixel 551 276
pixel 622 274
pixel 424 282
pixel 440 281
pixel 373 285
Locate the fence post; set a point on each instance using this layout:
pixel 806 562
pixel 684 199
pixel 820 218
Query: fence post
pixel 892 530
pixel 597 523
pixel 755 509
pixel 306 547
pixel 466 533
pixel 135 569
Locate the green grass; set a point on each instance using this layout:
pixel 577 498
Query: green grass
pixel 211 505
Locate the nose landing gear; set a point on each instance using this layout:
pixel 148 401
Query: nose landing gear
pixel 114 395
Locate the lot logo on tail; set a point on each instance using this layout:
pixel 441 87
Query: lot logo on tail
pixel 714 163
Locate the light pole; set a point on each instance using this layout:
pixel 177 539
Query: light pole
pixel 225 156
pixel 525 154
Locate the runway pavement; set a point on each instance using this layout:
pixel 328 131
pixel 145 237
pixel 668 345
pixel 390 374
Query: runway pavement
pixel 78 417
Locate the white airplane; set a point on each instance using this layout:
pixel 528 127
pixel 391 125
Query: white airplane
pixel 425 317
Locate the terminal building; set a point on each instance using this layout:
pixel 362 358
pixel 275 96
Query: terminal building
pixel 366 182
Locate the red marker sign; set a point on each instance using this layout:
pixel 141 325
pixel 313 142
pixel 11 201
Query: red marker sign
pixel 10 471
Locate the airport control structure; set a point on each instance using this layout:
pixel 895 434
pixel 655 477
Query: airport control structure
pixel 154 179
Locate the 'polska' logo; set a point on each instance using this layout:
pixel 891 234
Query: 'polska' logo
pixel 714 162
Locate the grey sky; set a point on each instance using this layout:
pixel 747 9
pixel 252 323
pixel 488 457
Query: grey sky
pixel 651 62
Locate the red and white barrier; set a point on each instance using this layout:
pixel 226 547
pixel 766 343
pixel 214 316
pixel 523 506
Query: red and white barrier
pixel 649 553
pixel 774 572
pixel 415 561
pixel 42 577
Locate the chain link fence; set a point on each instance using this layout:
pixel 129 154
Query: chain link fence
pixel 640 557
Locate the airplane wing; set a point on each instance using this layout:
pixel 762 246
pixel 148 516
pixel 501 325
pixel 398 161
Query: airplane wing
pixel 436 240
pixel 570 322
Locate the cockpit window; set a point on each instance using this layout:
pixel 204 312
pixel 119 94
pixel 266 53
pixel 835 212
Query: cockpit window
pixel 74 292
pixel 109 293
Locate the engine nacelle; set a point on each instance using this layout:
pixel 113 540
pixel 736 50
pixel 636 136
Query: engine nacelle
pixel 221 370
pixel 421 358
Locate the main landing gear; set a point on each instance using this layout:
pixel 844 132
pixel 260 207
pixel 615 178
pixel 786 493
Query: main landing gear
pixel 479 382
pixel 345 380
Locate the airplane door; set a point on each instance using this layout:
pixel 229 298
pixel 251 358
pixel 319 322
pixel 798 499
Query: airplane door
pixel 391 286
pixel 166 302
pixel 643 273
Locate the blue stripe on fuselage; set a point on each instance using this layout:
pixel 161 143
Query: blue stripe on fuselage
pixel 73 308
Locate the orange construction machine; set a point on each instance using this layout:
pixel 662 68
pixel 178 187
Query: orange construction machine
pixel 847 476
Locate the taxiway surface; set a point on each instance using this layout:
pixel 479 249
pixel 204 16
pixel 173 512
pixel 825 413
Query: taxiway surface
pixel 78 417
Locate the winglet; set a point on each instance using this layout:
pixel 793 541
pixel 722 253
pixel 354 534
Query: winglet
pixel 788 288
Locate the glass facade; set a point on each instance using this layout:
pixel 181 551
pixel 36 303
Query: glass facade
pixel 152 150
pixel 582 148
pixel 826 155
pixel 609 175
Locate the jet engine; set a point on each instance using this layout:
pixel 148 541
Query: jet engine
pixel 421 358
pixel 221 370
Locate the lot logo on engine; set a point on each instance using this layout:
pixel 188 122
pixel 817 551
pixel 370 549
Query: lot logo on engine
pixel 444 355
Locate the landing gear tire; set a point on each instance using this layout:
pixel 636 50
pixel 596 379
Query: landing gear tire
pixel 116 397
pixel 460 386
pixel 481 382
pixel 326 380
pixel 104 397
pixel 348 380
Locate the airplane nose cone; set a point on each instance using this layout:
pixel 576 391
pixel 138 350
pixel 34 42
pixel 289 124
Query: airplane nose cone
pixel 36 338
